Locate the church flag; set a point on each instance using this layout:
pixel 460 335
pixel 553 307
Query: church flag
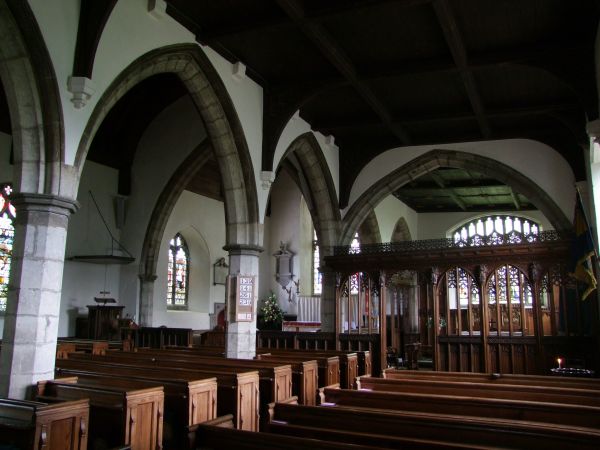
pixel 582 251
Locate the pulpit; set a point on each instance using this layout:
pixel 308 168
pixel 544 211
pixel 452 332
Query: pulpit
pixel 103 321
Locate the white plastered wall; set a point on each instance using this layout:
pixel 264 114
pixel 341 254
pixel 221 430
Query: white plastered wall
pixel 130 32
pixel 535 160
pixel 87 235
pixel 295 127
pixel 284 225
pixel 163 147
pixel 388 211
pixel 201 221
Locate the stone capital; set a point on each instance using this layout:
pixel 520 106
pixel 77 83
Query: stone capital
pixel 44 203
pixel 147 277
pixel 243 249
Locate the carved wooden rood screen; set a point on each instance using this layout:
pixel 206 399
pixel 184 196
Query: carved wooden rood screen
pixel 507 307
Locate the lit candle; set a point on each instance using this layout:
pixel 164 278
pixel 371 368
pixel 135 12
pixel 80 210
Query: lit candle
pixel 559 361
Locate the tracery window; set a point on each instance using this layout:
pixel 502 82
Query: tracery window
pixel 178 273
pixel 496 230
pixel 316 261
pixel 7 232
pixel 510 303
pixel 460 304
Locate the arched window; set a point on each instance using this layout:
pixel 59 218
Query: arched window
pixel 510 303
pixel 496 230
pixel 460 304
pixel 178 273
pixel 317 276
pixel 7 233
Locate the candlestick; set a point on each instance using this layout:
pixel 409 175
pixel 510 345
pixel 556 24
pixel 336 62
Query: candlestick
pixel 559 361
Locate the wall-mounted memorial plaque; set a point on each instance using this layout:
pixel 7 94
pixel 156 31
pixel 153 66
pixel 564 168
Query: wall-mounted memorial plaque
pixel 241 294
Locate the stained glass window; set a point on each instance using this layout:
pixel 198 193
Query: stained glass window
pixel 496 230
pixel 7 232
pixel 317 276
pixel 178 272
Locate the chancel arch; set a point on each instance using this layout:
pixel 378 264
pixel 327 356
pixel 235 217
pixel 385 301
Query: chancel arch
pixel 306 164
pixel 435 159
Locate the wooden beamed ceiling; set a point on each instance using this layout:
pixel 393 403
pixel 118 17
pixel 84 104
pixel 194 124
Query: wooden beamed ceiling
pixel 380 74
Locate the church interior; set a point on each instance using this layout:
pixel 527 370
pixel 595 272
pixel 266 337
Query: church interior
pixel 292 223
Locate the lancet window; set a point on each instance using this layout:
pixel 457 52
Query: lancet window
pixel 7 233
pixel 496 230
pixel 178 273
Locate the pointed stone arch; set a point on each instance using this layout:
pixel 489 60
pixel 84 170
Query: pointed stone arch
pixel 221 122
pixel 368 231
pixel 401 231
pixel 449 158
pixel 316 184
pixel 33 99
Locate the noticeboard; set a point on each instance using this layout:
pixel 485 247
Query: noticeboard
pixel 241 292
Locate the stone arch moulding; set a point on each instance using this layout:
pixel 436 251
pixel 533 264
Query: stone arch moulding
pixel 317 187
pixel 29 82
pixel 164 206
pixel 401 231
pixel 450 158
pixel 222 124
pixel 368 231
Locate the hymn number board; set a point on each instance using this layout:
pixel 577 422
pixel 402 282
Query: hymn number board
pixel 242 287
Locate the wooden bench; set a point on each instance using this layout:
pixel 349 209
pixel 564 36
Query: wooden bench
pixel 555 413
pixel 275 382
pixel 444 428
pixel 37 425
pixel 329 366
pixel 237 391
pixel 219 435
pixel 118 416
pixel 96 347
pixel 551 394
pixel 495 378
pixel 186 402
pixel 348 362
pixel 158 337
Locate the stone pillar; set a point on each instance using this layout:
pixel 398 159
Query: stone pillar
pixel 241 336
pixel 33 305
pixel 146 306
pixel 328 300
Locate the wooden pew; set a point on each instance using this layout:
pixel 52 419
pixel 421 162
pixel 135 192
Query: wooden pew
pixel 275 382
pixel 237 391
pixel 495 378
pixel 118 416
pixel 37 425
pixel 348 362
pixel 550 394
pixel 329 366
pixel 276 378
pixel 96 347
pixel 219 435
pixel 487 432
pixel 158 337
pixel 555 413
pixel 186 402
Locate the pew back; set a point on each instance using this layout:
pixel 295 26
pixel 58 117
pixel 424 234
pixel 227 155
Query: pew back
pixel 38 425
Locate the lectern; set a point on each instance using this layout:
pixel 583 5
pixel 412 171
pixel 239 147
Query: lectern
pixel 103 320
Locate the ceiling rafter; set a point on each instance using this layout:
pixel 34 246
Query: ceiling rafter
pixel 338 58
pixel 515 198
pixel 512 112
pixel 458 49
pixel 249 26
pixel 441 183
